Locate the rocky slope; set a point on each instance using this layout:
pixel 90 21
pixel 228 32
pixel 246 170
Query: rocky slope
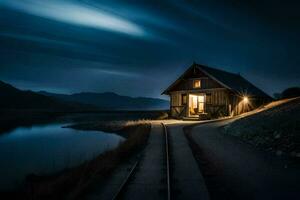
pixel 276 129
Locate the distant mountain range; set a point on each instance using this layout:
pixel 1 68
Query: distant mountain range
pixel 13 98
pixel 111 101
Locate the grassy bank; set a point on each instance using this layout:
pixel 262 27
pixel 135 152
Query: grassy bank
pixel 276 129
pixel 72 183
pixel 10 119
pixel 116 127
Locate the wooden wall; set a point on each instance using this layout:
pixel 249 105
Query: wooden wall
pixel 206 83
pixel 222 103
pixel 219 104
pixel 216 102
pixel 176 107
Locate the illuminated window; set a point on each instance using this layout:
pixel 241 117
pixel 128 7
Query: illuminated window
pixel 201 101
pixel 197 83
pixel 183 99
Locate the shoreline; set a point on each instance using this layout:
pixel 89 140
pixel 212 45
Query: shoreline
pixel 73 182
pixel 11 119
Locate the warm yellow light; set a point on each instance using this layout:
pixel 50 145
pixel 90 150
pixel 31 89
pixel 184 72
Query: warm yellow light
pixel 245 99
pixel 197 84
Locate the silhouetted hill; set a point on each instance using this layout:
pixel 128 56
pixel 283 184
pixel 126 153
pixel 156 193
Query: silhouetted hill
pixel 13 98
pixel 112 101
pixel 291 92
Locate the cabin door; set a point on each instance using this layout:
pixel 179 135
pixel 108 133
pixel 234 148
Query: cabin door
pixel 196 104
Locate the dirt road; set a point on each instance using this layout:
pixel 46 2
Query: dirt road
pixel 242 171
pixel 215 166
pixel 187 180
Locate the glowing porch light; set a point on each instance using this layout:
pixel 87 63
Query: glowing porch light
pixel 245 99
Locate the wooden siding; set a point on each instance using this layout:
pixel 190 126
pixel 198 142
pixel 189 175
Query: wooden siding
pixel 218 105
pixel 177 108
pixel 187 83
pixel 223 102
pixel 206 83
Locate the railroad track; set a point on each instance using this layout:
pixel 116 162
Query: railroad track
pixel 133 169
pixel 122 188
pixel 167 148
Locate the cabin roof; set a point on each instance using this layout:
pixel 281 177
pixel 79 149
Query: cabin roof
pixel 231 81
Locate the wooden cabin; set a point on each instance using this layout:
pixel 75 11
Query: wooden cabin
pixel 205 93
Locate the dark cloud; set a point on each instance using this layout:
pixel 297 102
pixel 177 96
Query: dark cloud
pixel 138 48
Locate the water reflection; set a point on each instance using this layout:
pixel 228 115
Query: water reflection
pixel 48 148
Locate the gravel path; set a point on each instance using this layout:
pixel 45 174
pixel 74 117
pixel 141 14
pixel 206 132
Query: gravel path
pixel 149 180
pixel 187 180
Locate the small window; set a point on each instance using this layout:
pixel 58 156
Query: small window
pixel 183 99
pixel 197 84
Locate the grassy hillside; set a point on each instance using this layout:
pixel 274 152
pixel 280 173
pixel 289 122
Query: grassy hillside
pixel 275 129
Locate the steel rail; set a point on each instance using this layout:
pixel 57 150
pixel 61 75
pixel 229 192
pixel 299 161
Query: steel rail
pixel 125 182
pixel 134 167
pixel 167 161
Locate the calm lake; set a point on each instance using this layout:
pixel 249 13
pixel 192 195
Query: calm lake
pixel 44 149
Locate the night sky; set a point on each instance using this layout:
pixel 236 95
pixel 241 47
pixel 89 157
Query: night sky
pixel 139 48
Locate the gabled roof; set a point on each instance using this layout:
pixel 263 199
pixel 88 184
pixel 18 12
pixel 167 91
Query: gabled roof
pixel 231 81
